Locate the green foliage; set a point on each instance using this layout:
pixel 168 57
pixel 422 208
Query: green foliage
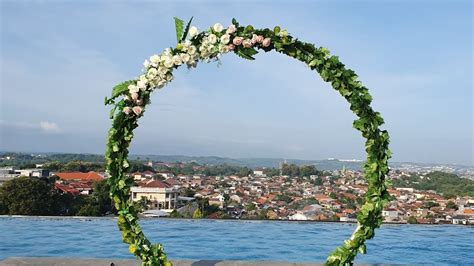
pixel 343 80
pixel 197 214
pixel 412 220
pixel 34 196
pixel 186 30
pixel 293 170
pixel 451 205
pixel 22 160
pixel 27 196
pixel 244 171
pixel 179 28
pixel 445 183
pixel 246 53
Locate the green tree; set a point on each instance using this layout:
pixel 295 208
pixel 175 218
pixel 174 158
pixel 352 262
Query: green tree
pixel 175 214
pixel 27 196
pixel 318 181
pixel 101 196
pixel 451 205
pixel 262 215
pixel 245 171
pixel 412 220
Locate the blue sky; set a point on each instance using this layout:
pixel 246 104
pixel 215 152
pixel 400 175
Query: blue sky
pixel 59 59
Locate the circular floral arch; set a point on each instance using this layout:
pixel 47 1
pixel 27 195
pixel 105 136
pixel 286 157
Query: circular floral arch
pixel 244 41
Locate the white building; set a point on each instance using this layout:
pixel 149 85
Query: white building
pixel 161 195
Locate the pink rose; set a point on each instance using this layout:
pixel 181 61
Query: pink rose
pixel 254 39
pixel 237 41
pixel 266 42
pixel 231 29
pixel 134 96
pixel 260 38
pixel 137 110
pixel 247 43
pixel 126 110
pixel 231 47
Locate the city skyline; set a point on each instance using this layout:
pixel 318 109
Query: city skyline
pixel 59 61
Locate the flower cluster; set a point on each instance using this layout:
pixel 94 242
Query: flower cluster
pixel 211 44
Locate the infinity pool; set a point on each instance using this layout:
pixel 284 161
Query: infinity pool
pixel 235 240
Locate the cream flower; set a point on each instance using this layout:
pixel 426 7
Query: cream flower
pixel 193 31
pixel 177 60
pixel 146 64
pixel 225 39
pixel 127 110
pixel 223 49
pixel 132 88
pixel 155 59
pixel 212 38
pixel 192 50
pixel 152 72
pixel 217 27
pixel 185 58
pixel 168 63
pixel 134 96
pixel 141 84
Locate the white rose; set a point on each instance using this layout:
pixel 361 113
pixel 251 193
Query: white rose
pixel 192 50
pixel 193 31
pixel 146 64
pixel 168 63
pixel 133 88
pixel 223 49
pixel 177 60
pixel 155 59
pixel 212 38
pixel 152 72
pixel 225 39
pixel 185 58
pixel 218 27
pixel 141 85
pixel 143 78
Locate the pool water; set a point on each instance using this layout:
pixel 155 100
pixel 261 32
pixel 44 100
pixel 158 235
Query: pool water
pixel 235 240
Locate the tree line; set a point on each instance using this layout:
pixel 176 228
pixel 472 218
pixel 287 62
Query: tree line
pixel 38 196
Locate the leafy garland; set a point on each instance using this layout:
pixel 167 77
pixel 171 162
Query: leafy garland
pixel 244 41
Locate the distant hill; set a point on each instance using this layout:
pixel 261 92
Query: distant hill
pixel 327 164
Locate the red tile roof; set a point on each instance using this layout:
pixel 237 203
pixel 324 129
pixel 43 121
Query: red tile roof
pixel 153 184
pixel 90 176
pixel 66 189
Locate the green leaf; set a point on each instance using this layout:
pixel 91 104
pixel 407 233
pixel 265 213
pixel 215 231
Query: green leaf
pixel 362 249
pixel 276 29
pixel 234 21
pixel 179 28
pixel 120 89
pixel 246 53
pixel 186 30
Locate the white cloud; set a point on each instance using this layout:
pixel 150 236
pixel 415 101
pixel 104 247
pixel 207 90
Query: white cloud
pixel 44 126
pixel 49 127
